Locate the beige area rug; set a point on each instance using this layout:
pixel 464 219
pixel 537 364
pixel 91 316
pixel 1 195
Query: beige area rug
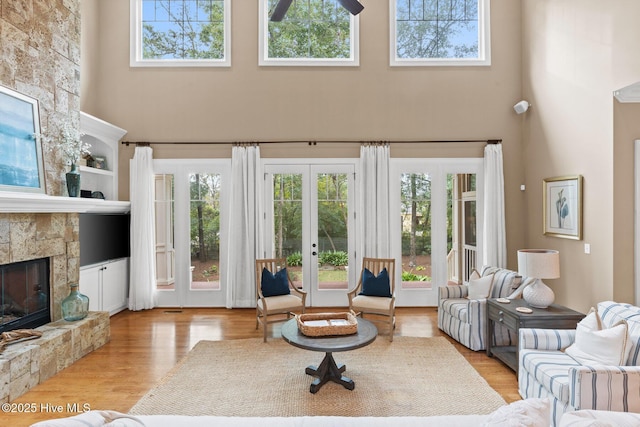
pixel 408 377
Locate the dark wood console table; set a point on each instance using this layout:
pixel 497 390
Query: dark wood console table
pixel 553 317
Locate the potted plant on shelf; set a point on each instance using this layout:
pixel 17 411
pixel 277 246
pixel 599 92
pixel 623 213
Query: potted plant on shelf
pixel 68 142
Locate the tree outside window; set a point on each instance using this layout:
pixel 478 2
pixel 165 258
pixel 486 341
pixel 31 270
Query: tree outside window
pixel 180 32
pixel 440 32
pixel 313 32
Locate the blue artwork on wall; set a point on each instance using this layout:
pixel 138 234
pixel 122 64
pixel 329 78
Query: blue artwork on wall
pixel 21 166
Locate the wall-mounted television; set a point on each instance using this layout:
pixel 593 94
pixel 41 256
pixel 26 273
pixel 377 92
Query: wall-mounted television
pixel 103 237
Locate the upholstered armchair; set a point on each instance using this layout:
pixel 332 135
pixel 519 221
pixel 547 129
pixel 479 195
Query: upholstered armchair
pixel 465 319
pixel 277 297
pixel 547 370
pixel 375 291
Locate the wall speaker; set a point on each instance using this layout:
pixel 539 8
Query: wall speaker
pixel 521 107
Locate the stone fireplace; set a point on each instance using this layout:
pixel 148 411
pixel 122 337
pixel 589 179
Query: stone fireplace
pixel 54 236
pixel 40 57
pixel 29 236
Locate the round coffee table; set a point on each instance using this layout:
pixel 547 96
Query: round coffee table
pixel 328 370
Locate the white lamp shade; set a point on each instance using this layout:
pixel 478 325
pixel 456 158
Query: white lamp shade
pixel 539 263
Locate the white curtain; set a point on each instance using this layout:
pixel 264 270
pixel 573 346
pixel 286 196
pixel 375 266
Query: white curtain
pixel 374 201
pixel 245 226
pixel 494 232
pixel 142 284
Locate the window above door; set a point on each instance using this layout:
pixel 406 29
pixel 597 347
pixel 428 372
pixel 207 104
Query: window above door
pixel 180 33
pixel 440 32
pixel 312 33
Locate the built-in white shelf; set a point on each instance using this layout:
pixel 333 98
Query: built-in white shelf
pixel 90 170
pixel 104 139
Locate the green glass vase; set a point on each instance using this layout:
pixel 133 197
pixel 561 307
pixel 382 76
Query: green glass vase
pixel 73 181
pixel 75 306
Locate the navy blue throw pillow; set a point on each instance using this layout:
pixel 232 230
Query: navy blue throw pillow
pixel 273 285
pixel 376 286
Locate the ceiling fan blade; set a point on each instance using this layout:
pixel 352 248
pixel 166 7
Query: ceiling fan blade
pixel 280 10
pixel 353 6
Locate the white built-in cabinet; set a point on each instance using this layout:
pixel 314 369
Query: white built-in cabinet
pixel 106 284
pixel 104 139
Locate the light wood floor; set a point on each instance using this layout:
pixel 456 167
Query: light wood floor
pixel 145 345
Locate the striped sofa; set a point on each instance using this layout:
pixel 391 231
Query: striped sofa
pixel 546 371
pixel 465 320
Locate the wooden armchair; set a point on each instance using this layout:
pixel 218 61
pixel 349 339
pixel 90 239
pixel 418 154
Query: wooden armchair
pixel 277 296
pixel 374 293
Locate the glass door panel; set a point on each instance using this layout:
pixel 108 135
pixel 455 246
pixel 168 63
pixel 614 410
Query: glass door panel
pixel 205 231
pixel 462 233
pixel 415 201
pixel 333 230
pixel 165 250
pixel 470 215
pixel 454 260
pixel 287 222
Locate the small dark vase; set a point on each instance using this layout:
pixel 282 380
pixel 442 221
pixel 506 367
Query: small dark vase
pixel 73 181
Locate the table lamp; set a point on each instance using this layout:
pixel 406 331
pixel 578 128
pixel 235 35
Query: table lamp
pixel 538 264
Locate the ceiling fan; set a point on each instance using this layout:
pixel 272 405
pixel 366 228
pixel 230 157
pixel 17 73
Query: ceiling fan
pixel 353 6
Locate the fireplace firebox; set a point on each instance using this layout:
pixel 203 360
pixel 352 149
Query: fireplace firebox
pixel 24 294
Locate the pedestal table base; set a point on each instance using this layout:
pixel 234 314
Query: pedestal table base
pixel 328 371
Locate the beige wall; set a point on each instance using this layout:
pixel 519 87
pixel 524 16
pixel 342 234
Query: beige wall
pixel 626 131
pixel 90 48
pixel 575 54
pixel 371 102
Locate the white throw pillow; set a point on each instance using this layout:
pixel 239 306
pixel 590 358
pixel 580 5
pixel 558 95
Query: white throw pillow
pixel 599 418
pixel 522 413
pixel 594 345
pixel 94 418
pixel 480 287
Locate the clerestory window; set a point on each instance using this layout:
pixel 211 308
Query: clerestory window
pixel 182 33
pixel 440 32
pixel 312 32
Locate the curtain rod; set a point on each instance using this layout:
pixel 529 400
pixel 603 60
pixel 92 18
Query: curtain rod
pixel 450 141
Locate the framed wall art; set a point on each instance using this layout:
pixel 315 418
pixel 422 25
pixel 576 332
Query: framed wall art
pixel 21 163
pixel 562 204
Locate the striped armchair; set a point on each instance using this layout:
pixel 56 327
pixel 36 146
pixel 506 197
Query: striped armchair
pixel 465 320
pixel 546 371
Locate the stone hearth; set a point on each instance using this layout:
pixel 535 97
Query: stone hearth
pixel 25 364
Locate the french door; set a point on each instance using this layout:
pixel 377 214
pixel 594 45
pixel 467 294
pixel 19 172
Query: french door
pixel 190 206
pixel 437 208
pixel 309 220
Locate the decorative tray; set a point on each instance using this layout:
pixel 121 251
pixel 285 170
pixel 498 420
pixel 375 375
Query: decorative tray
pixel 327 324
